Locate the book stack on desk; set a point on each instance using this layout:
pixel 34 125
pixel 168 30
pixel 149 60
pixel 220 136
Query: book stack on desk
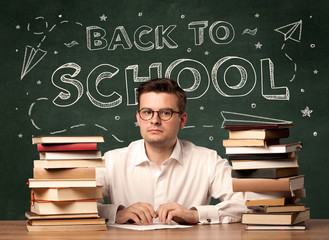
pixel 64 193
pixel 267 171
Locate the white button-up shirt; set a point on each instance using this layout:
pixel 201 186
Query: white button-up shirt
pixel 190 177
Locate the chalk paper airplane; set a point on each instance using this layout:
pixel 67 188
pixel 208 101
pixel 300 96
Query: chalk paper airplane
pixel 32 57
pixel 240 118
pixel 292 31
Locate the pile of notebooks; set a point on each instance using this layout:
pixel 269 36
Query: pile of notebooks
pixel 64 193
pixel 266 170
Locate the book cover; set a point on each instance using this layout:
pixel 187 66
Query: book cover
pixel 66 228
pixel 249 142
pixel 258 126
pixel 263 134
pixel 51 183
pixel 297 207
pixel 280 148
pixel 265 173
pixel 54 164
pixel 31 215
pixel 67 173
pixel 288 184
pixel 71 155
pixel 61 222
pixel 67 147
pixel 297 227
pixel 64 207
pixel 269 156
pixel 263 164
pixel 66 194
pixel 67 139
pixel 289 218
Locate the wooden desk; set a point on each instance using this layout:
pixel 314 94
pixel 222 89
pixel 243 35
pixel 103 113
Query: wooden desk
pixel 316 229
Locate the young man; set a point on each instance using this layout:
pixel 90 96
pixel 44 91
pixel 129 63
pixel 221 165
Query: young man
pixel 162 176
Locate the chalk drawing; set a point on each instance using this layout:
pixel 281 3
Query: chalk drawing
pixel 252 32
pixel 34 55
pixel 198 69
pixel 267 72
pixel 292 31
pixel 71 44
pixel 307 112
pixel 240 118
pixel 115 137
pixel 258 45
pixel 244 67
pixel 103 18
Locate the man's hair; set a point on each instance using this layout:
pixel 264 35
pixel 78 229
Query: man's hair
pixel 163 85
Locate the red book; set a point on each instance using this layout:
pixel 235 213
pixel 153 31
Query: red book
pixel 67 147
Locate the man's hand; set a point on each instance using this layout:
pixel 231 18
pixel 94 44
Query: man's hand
pixel 140 213
pixel 178 213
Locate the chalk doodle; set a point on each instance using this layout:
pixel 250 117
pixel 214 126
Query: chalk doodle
pixel 292 31
pixel 251 32
pixel 240 118
pixel 307 112
pixel 34 55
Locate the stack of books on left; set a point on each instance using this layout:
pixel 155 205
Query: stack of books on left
pixel 64 193
pixel 267 171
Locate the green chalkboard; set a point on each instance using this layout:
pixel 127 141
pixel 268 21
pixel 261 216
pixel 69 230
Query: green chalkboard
pixel 72 67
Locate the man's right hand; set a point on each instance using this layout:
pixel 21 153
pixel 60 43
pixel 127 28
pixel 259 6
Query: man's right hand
pixel 140 213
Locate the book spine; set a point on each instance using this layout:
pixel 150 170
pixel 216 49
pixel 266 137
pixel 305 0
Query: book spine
pixel 67 147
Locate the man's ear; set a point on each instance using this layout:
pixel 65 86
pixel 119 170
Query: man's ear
pixel 183 119
pixel 138 118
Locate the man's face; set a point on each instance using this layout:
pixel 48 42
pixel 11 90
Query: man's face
pixel 156 131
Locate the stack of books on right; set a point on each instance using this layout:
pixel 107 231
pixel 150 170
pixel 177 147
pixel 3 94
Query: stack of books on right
pixel 266 170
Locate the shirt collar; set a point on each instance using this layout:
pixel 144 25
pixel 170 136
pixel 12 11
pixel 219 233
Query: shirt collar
pixel 176 154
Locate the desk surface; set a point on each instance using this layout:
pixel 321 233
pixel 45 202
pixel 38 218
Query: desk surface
pixel 316 229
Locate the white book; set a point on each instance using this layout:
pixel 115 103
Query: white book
pixel 49 183
pixel 71 155
pixel 279 148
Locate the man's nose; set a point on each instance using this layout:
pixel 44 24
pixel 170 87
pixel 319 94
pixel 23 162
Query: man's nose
pixel 155 118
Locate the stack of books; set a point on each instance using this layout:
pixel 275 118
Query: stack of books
pixel 64 193
pixel 267 171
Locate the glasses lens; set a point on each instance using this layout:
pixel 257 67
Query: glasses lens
pixel 165 114
pixel 146 114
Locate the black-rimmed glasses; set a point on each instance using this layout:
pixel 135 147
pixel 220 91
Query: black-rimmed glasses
pixel 164 114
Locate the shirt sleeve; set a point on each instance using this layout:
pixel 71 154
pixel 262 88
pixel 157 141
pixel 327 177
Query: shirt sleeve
pixel 107 211
pixel 231 205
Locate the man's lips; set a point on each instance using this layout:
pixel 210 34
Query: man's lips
pixel 154 130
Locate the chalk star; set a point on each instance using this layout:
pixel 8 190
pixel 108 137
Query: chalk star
pixel 136 124
pixel 18 27
pixel 258 45
pixel 20 135
pixel 257 15
pixel 39 82
pixel 201 108
pixel 315 71
pixel 103 17
pixel 307 112
pixel 206 53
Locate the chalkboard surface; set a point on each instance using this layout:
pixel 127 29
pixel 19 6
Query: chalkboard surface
pixel 72 67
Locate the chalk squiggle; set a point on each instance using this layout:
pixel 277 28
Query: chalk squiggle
pixel 250 32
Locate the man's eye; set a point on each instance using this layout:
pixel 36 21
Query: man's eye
pixel 147 112
pixel 166 113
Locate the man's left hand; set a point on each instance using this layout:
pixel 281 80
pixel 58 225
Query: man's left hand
pixel 176 212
